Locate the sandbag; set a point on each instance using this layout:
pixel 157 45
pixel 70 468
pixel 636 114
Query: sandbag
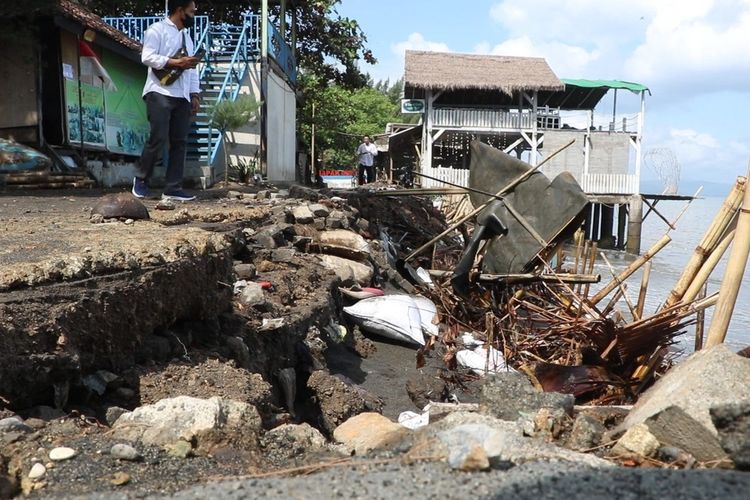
pixel 346 269
pixel 400 317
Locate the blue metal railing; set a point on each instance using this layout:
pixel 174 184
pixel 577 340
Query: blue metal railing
pixel 281 52
pixel 135 26
pixel 236 69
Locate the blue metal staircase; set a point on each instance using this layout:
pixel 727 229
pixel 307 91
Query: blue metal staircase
pixel 230 50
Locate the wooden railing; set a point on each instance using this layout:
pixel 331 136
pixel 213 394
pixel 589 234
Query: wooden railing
pixel 590 183
pixel 609 183
pixel 494 119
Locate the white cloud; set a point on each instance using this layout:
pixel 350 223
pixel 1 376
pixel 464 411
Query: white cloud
pixel 416 41
pixel 565 60
pixel 394 67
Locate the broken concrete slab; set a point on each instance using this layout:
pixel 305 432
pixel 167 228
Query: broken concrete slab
pixel 509 395
pixel 732 422
pixel 674 427
pixel 456 435
pixel 706 379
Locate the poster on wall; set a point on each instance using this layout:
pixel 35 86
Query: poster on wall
pixel 127 124
pixel 85 116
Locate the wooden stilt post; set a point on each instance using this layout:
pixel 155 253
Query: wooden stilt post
pixel 634 225
pixel 622 215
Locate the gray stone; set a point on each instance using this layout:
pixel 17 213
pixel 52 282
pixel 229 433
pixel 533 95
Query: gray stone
pixel 303 192
pixel 587 432
pixel 549 423
pixel 284 255
pixel 61 453
pixel 508 395
pixel 265 240
pixel 14 424
pixel 252 295
pixel 337 220
pixel 184 417
pixel 732 421
pixel 501 440
pixel 37 471
pixel 319 210
pixel 124 452
pixel 113 413
pixel 235 195
pixel 363 225
pixel 319 224
pixel 179 449
pixel 263 194
pixel 674 427
pixel 303 437
pixel 302 215
pixel 636 441
pixel 244 271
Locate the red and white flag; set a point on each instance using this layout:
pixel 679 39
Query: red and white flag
pixel 90 65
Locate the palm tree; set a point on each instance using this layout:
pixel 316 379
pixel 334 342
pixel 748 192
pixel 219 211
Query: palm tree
pixel 230 116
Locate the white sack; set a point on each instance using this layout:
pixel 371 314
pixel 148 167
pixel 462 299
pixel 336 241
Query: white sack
pixel 399 317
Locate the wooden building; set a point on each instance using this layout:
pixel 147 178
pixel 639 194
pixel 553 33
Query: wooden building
pixel 55 95
pixel 520 106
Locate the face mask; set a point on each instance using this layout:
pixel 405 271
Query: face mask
pixel 189 21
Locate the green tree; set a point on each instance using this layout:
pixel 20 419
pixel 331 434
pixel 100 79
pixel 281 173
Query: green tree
pixel 230 116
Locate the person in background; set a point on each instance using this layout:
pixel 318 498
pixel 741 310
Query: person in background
pixel 169 106
pixel 366 153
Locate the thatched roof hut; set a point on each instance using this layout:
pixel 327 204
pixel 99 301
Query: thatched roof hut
pixel 451 71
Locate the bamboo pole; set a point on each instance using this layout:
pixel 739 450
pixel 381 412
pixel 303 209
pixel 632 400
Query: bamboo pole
pixel 525 277
pixel 590 268
pixel 640 261
pixel 641 304
pixel 730 285
pixel 481 207
pixel 700 321
pixel 622 287
pixel 705 271
pixel 711 238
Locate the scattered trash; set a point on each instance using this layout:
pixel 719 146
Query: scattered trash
pixel 412 420
pixel 476 357
pixel 359 293
pixel 399 317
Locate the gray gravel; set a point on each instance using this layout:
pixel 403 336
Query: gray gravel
pixel 530 481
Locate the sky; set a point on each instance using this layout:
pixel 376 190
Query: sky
pixel 694 55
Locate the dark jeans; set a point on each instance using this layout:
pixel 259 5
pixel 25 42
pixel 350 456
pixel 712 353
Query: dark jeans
pixel 170 123
pixel 370 174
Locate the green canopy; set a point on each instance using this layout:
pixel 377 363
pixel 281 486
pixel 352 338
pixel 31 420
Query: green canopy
pixel 606 84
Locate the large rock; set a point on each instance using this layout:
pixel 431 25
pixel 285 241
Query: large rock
pixel 732 421
pixel 302 215
pixel 184 418
pixel 339 400
pixel 369 431
pixel 509 395
pixel 457 436
pixel 708 378
pixel 120 205
pixel 343 243
pixel 294 440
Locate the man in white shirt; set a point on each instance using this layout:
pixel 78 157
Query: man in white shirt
pixel 169 106
pixel 366 153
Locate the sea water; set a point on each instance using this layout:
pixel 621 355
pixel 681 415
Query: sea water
pixel 669 263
